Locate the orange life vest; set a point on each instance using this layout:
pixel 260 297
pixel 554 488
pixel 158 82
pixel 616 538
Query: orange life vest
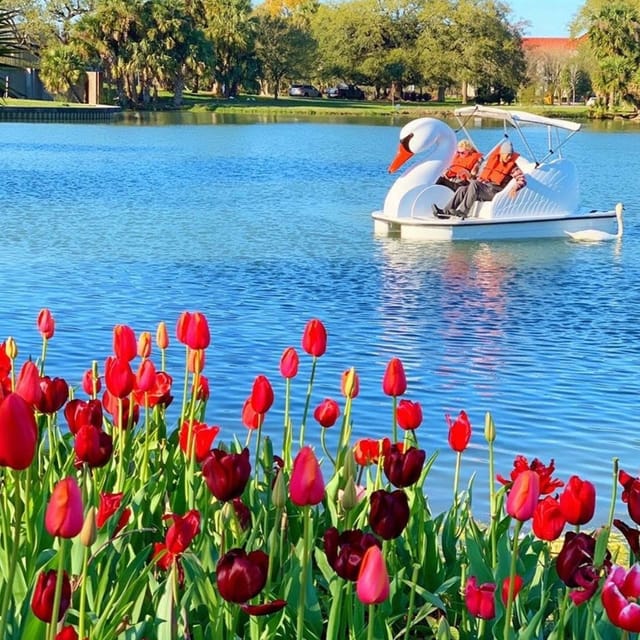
pixel 462 164
pixel 497 171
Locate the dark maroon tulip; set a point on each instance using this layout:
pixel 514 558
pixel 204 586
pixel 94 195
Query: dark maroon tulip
pixel 241 575
pixel 93 446
pixel 226 474
pixel 345 550
pixel 403 468
pixel 55 392
pixel 78 413
pixel 389 513
pixel 575 568
pixel 630 494
pixel 243 513
pixel 631 535
pixel 263 609
pixel 43 594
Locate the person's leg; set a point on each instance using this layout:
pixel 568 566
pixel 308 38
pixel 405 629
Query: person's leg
pixel 482 191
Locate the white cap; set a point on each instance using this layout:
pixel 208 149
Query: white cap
pixel 506 147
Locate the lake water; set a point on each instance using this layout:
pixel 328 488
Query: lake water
pixel 264 224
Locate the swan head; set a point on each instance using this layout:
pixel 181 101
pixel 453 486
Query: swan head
pixel 423 135
pixel 619 209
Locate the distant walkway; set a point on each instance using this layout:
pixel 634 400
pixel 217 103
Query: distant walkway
pixel 99 113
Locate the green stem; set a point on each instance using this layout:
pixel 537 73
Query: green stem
pixel 306 515
pixel 412 601
pixel 57 597
pixel 395 419
pixel 370 625
pixel 82 615
pixel 308 400
pixel 324 446
pixel 43 356
pixel 512 575
pixel 147 437
pixel 492 507
pixel 13 557
pixel 456 478
pixel 288 435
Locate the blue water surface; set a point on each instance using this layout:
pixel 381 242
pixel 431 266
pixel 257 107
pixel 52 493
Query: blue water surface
pixel 263 225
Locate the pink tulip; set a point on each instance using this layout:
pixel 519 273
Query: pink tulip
pixel 372 586
pixel 523 497
pixel 307 485
pixel 65 516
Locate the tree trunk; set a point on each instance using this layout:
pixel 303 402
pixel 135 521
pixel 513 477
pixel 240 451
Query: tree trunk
pixel 178 88
pixel 464 89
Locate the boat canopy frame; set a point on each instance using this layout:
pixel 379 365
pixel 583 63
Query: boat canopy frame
pixel 518 119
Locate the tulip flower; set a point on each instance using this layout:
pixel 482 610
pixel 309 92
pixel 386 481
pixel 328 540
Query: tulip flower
pixel 575 567
pixel 109 505
pixel 130 411
pixel 350 383
pixel 162 337
pixel 547 483
pixel 306 486
pixel 459 431
pixel 28 383
pixel 620 595
pixel 125 345
pixel 523 496
pixel 242 512
pixel 18 433
pixel 314 338
pixel 46 324
pixel 65 514
pixel 578 501
pixel 226 474
pixel 118 377
pixel 346 550
pixel 91 383
pixel 55 392
pixel 196 360
pixel 289 362
pixel 182 531
pixel 389 513
pixel 368 450
pixel 250 417
pixel 241 575
pixel 192 330
pixel 630 494
pixel 67 633
pixel 327 413
pixel 42 600
pixel 93 446
pixel 631 535
pixel 78 413
pixel 394 382
pixel 144 344
pixel 372 586
pixel 409 415
pixel 204 437
pixel 145 377
pixel 403 468
pixel 160 392
pixel 518 582
pixel 261 395
pixel 480 599
pixel 548 519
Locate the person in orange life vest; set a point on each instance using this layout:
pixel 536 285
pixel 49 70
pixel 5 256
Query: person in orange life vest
pixel 463 167
pixel 497 172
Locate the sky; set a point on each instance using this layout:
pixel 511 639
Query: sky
pixel 548 18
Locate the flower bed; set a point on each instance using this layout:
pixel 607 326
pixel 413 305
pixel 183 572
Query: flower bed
pixel 116 525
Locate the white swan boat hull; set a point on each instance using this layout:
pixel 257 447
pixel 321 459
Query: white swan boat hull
pixel 512 228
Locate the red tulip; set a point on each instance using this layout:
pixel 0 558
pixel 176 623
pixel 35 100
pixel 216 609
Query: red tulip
pixel 183 530
pixel 289 362
pixel 350 383
pixel 67 633
pixel 241 575
pixel 345 550
pixel 55 392
pixel 409 415
pixel 578 501
pixel 192 330
pixel 523 497
pixel 394 382
pixel 65 515
pixel 46 324
pixel 43 596
pixel 144 344
pixel 130 411
pixel 631 535
pixel 630 494
pixel 306 486
pixel 202 392
pixel 620 595
pixel 403 468
pixel 160 392
pixel 203 435
pixel 263 609
pixel 518 582
pixel 91 384
pixel 261 395
pixel 459 431
pixel 389 513
pixel 145 378
pixel 109 505
pixel 368 450
pixel 118 377
pixel 250 417
pixel 372 586
pixel 78 413
pixel 314 338
pixel 226 474
pixel 18 433
pixel 327 413
pixel 480 599
pixel 125 346
pixel 547 483
pixel 93 446
pixel 28 383
pixel 548 519
pixel 162 337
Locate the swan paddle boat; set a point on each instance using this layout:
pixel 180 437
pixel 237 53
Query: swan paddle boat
pixel 548 206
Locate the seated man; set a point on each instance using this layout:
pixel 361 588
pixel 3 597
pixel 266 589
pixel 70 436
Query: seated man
pixel 464 166
pixel 495 175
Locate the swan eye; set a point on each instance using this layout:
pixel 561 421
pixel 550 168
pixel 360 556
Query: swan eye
pixel 405 142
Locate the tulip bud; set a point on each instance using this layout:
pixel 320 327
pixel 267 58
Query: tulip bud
pixel 64 512
pixel 162 337
pixel 46 324
pixel 89 533
pixel 350 384
pixel 144 344
pixel 523 496
pixel 394 382
pixel 11 348
pixel 307 484
pixel 372 586
pixel 279 491
pixel 349 498
pixel 314 338
pixel 289 362
pixel 489 428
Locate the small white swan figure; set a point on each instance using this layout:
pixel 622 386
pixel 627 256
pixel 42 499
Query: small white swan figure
pixel 593 235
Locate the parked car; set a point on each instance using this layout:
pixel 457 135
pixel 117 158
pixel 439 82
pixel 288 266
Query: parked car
pixel 304 91
pixel 346 91
pixel 592 101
